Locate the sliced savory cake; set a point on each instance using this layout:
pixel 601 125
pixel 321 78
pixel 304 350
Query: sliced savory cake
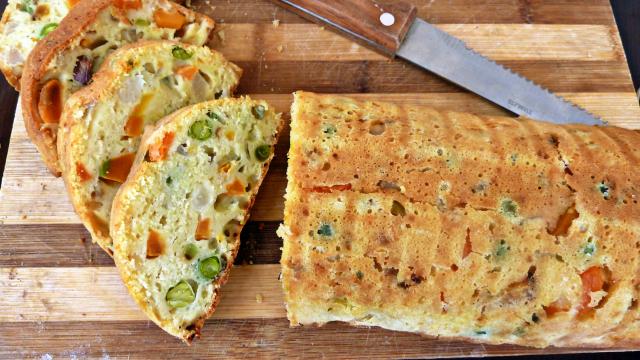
pixel 490 229
pixel 66 60
pixel 25 22
pixel 176 221
pixel 102 124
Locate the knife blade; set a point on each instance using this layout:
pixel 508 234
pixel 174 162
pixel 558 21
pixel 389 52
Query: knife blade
pixel 392 27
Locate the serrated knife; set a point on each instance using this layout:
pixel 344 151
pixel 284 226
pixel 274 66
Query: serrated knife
pixel 392 27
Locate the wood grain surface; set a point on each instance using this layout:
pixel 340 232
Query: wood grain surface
pixel 62 296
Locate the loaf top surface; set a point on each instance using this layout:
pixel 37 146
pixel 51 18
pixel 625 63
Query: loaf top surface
pixel 66 60
pixel 185 202
pixel 25 22
pixel 102 124
pixel 490 229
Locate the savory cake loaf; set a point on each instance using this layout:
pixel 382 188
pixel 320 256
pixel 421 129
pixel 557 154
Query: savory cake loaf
pixel 102 124
pixel 66 60
pixel 25 22
pixel 489 229
pixel 176 221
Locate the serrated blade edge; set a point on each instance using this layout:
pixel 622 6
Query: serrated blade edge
pixel 449 57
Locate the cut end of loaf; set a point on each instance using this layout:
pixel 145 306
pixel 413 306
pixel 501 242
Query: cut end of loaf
pixel 63 64
pixel 176 222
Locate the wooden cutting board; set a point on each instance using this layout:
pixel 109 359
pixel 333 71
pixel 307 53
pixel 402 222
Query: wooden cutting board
pixel 62 297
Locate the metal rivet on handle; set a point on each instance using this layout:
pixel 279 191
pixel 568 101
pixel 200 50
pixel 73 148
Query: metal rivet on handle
pixel 387 19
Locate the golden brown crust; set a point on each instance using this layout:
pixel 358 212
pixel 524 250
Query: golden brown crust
pixel 449 224
pixel 13 80
pixel 73 25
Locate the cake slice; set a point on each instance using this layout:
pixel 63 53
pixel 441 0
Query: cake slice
pixel 102 124
pixel 67 59
pixel 489 229
pixel 25 22
pixel 176 221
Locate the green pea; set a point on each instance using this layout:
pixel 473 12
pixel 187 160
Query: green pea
pixel 325 230
pixel 142 22
pixel 509 208
pixel 190 251
pixel 104 168
pixel 263 152
pixel 258 111
pixel 502 249
pixel 180 295
pixel 329 129
pixel 47 29
pixel 26 6
pixel 210 267
pixel 180 53
pixel 604 189
pixel 589 248
pixel 201 129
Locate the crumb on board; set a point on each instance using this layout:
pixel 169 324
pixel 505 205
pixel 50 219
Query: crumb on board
pixel 24 217
pixel 259 298
pixel 280 48
pixel 275 23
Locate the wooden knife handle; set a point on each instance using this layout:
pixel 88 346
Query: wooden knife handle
pixel 382 24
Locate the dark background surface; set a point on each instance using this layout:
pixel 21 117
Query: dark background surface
pixel 627 13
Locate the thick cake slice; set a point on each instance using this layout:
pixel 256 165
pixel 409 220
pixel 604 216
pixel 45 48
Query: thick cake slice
pixel 102 124
pixel 489 229
pixel 25 22
pixel 66 60
pixel 176 221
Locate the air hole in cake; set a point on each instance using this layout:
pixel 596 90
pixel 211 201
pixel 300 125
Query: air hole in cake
pixel 232 228
pixel 130 35
pixel 377 128
pixel 223 202
pixel 326 166
pixel 210 152
pixel 377 265
pixel 205 76
pixel 92 44
pixel 397 209
pixel 385 185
